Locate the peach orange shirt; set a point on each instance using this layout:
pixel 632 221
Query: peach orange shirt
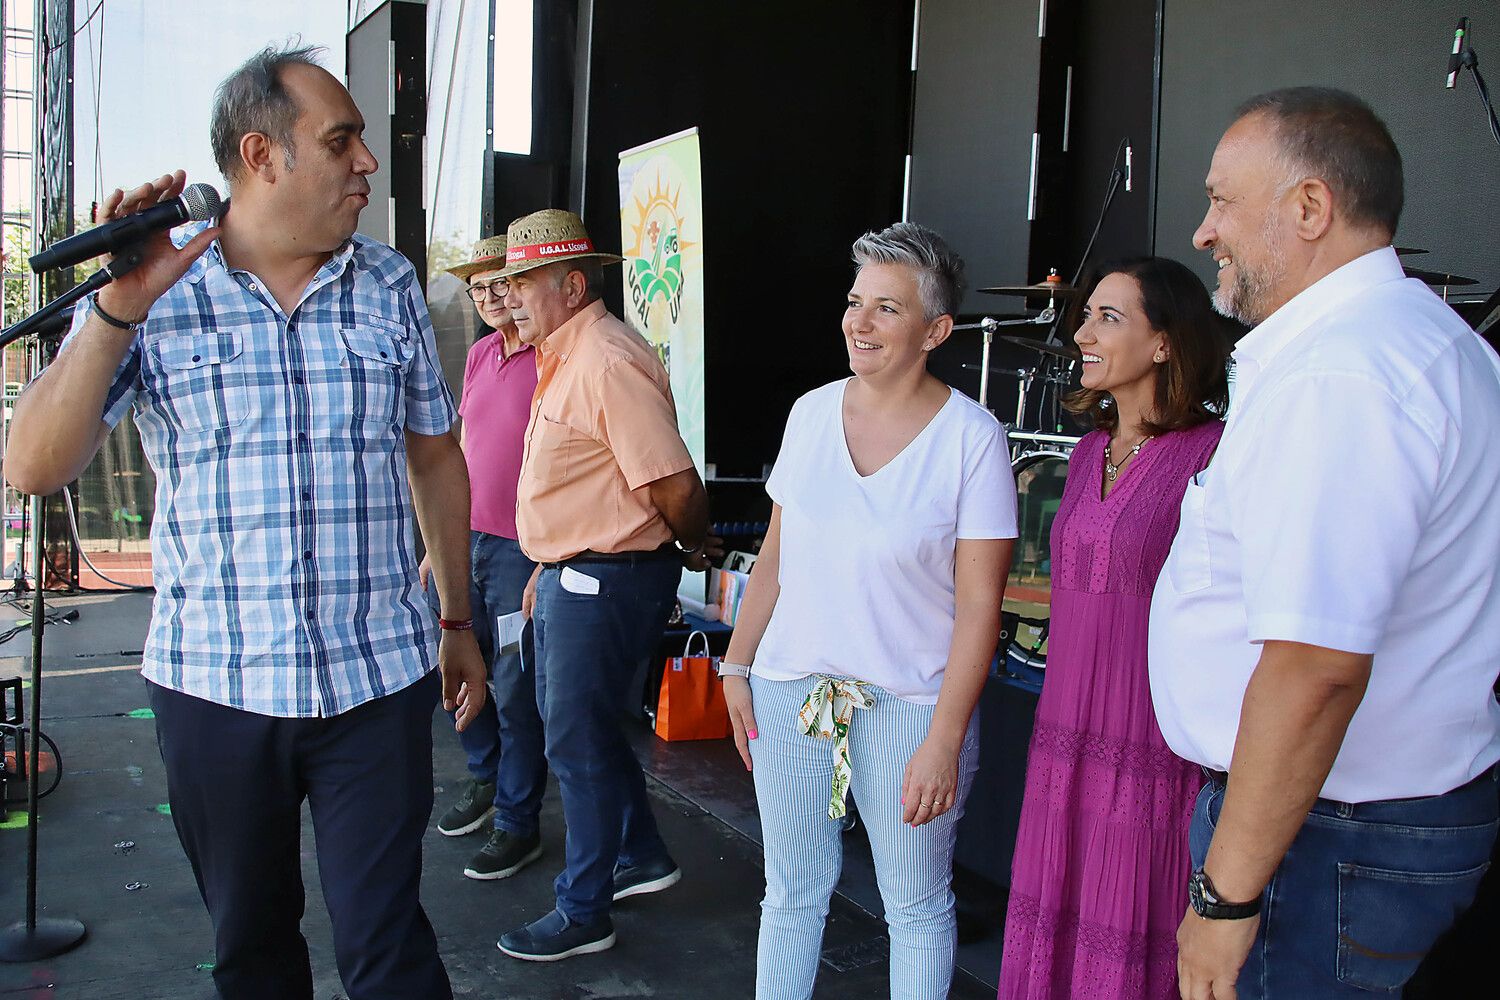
pixel 603 426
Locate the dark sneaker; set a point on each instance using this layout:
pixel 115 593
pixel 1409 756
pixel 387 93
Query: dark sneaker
pixel 503 855
pixel 637 880
pixel 555 937
pixel 469 813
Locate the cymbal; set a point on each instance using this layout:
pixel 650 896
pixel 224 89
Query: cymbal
pixel 1048 288
pixel 1408 251
pixel 1439 278
pixel 1056 350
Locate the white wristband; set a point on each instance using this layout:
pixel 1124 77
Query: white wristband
pixel 727 669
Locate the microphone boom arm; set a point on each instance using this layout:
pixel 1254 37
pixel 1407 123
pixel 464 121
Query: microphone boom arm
pixel 123 263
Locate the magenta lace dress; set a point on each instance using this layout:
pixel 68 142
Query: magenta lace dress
pixel 1099 880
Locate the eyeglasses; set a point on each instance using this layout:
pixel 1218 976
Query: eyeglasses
pixel 498 288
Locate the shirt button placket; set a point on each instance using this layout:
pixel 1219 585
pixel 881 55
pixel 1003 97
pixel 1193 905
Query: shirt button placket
pixel 302 467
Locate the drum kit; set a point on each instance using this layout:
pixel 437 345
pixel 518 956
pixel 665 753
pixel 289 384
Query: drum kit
pixel 1039 450
pixel 1039 457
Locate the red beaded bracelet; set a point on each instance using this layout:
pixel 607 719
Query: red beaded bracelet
pixel 455 624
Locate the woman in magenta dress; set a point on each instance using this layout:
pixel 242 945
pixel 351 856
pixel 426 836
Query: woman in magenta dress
pixel 1101 856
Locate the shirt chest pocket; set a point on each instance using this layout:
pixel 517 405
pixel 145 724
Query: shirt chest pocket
pixel 1189 567
pixel 204 381
pixel 555 448
pixel 376 374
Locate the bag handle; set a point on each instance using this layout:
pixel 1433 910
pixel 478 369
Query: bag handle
pixel 687 649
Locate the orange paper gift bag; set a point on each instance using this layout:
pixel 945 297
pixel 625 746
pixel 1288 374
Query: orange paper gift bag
pixel 691 705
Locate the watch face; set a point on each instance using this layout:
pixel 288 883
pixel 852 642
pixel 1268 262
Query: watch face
pixel 1198 895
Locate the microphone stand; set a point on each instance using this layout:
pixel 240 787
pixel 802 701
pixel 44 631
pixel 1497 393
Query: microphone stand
pixel 123 263
pixel 33 938
pixel 1116 175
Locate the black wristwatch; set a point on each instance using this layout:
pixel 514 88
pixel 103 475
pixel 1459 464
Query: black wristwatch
pixel 1207 904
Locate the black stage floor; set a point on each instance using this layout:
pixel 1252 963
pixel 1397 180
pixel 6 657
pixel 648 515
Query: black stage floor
pixel 152 942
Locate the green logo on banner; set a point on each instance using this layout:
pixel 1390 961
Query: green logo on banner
pixel 656 277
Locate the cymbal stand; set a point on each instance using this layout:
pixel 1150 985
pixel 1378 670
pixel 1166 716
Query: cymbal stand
pixel 989 325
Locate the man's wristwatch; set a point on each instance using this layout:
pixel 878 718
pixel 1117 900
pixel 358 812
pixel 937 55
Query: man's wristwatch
pixel 689 552
pixel 1207 904
pixel 727 669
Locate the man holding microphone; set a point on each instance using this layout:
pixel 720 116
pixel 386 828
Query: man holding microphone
pixel 282 373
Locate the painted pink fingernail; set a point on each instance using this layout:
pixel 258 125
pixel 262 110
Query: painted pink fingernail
pixel 752 734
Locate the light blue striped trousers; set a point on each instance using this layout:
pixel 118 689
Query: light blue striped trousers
pixel 804 853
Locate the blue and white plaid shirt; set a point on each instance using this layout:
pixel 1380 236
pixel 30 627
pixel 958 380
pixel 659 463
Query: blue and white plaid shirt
pixel 282 547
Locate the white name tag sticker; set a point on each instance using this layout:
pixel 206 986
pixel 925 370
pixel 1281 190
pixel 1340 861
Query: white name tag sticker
pixel 575 582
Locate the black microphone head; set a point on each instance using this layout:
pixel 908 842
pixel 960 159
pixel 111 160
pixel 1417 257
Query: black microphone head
pixel 202 202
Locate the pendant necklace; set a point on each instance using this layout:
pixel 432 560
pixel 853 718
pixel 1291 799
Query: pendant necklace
pixel 1112 469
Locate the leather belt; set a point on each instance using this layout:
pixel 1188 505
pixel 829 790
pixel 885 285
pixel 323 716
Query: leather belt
pixel 664 551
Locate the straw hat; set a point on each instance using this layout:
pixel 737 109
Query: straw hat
pixel 488 255
pixel 550 235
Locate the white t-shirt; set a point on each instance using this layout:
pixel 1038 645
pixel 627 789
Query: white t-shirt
pixel 1354 504
pixel 867 561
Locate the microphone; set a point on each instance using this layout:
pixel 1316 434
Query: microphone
pixel 199 202
pixel 1128 170
pixel 1455 61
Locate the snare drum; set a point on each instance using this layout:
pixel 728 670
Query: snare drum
pixel 1027 611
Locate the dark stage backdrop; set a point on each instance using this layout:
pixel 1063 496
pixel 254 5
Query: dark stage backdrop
pixel 975 110
pixel 802 110
pixel 1393 54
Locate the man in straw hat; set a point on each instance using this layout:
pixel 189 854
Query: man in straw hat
pixel 611 508
pixel 499 381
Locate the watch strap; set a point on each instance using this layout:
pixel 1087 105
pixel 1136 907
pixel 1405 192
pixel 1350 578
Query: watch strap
pixel 1206 903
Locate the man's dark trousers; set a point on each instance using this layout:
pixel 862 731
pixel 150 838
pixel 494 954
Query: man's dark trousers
pixel 588 646
pixel 236 782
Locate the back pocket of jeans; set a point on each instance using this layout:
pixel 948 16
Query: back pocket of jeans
pixel 1388 920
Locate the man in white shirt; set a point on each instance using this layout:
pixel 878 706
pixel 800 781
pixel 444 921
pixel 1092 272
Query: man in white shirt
pixel 1326 627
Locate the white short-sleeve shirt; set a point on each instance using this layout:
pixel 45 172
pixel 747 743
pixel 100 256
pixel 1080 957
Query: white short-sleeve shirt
pixel 867 562
pixel 1354 504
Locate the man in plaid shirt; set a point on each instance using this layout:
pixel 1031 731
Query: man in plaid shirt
pixel 282 373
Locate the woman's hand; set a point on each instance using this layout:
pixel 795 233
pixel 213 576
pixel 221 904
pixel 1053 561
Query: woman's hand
pixel 741 714
pixel 930 786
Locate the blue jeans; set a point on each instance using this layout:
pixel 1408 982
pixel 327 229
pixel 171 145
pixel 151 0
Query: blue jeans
pixel 805 853
pixel 588 647
pixel 509 720
pixel 1364 891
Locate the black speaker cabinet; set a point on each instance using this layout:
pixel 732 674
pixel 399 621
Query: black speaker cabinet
pixel 386 57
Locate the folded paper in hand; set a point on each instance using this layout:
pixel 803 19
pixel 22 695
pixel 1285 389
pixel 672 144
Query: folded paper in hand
pixel 508 629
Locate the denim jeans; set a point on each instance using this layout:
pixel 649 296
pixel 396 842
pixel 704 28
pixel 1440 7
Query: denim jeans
pixel 1364 891
pixel 509 720
pixel 805 851
pixel 589 646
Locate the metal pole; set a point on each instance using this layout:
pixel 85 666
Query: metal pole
pixel 33 741
pixel 31 940
pixel 984 367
